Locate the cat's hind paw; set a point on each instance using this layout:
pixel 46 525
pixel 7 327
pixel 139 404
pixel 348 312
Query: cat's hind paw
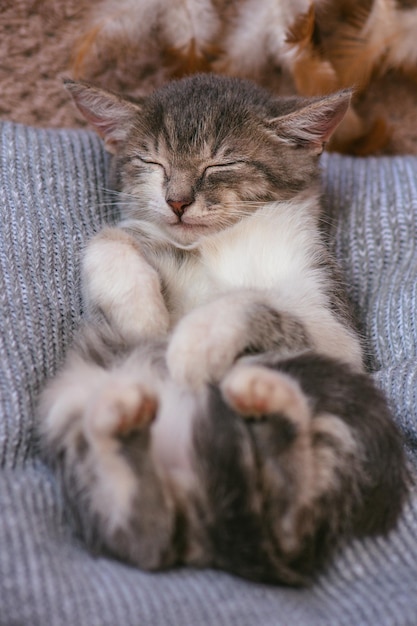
pixel 120 408
pixel 257 391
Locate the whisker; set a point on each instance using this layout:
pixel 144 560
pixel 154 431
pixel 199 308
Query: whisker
pixel 118 193
pixel 116 203
pixel 151 208
pixel 257 202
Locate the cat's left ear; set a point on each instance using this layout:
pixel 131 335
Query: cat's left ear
pixel 312 125
pixel 111 115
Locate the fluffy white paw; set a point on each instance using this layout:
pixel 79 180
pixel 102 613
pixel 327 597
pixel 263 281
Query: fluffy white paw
pixel 202 348
pixel 254 391
pixel 119 281
pixel 142 319
pixel 119 408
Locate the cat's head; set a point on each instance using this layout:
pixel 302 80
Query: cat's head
pixel 201 153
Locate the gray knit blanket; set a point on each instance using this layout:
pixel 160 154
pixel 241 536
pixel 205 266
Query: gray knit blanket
pixel 52 200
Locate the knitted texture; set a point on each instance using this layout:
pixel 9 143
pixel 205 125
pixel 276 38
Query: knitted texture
pixel 52 200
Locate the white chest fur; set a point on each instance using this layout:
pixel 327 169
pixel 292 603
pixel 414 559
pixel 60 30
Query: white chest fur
pixel 273 250
pixel 278 252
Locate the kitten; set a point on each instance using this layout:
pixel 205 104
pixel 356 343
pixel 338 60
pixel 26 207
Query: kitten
pixel 214 410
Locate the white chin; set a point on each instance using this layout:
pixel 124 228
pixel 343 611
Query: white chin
pixel 186 234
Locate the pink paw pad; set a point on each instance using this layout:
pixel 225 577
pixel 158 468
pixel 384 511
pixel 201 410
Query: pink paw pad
pixel 121 408
pixel 255 391
pixel 139 417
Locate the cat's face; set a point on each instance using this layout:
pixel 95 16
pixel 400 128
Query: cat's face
pixel 204 152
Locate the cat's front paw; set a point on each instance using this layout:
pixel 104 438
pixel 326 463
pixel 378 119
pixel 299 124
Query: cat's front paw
pixel 120 283
pixel 202 348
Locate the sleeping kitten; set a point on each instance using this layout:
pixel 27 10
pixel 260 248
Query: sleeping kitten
pixel 213 411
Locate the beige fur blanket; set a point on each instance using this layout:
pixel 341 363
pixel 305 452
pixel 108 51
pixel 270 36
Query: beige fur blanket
pixel 37 39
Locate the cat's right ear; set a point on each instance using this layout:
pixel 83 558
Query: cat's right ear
pixel 111 115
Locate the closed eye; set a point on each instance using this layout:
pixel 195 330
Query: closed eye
pixel 219 166
pixel 146 161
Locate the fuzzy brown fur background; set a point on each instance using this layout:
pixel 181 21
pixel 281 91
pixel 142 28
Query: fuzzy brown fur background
pixel 37 39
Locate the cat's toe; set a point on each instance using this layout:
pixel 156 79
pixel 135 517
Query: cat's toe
pixel 256 391
pixel 121 408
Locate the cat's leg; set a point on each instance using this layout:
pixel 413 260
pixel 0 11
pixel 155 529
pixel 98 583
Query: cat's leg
pixel 119 283
pixel 259 393
pixel 96 424
pixel 209 339
pixel 331 457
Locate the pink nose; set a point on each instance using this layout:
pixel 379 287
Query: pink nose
pixel 178 206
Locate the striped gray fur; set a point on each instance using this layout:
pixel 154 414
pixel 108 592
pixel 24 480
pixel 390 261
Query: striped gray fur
pixel 52 200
